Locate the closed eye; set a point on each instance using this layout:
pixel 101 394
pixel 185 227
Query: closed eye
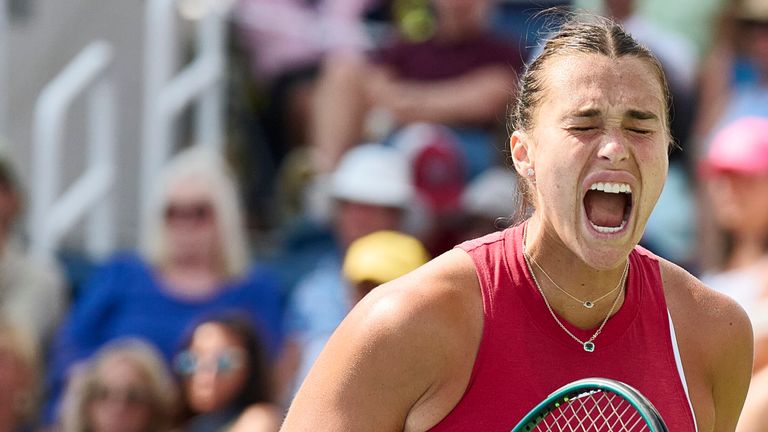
pixel 640 131
pixel 582 128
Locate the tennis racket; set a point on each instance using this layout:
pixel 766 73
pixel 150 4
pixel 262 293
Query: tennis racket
pixel 593 405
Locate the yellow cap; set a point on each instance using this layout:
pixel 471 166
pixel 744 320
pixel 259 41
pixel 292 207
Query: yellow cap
pixel 383 256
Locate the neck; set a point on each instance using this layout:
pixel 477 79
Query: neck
pixel 565 268
pixel 192 277
pixel 748 250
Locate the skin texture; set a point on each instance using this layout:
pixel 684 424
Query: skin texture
pixel 403 357
pixel 116 414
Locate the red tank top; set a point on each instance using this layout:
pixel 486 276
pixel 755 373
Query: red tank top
pixel 524 355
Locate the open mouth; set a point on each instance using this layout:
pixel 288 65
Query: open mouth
pixel 608 206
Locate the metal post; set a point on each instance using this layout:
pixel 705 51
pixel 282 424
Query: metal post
pixel 100 232
pixel 160 60
pixel 166 95
pixel 4 88
pixel 211 43
pixel 51 218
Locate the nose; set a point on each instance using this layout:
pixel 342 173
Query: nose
pixel 613 148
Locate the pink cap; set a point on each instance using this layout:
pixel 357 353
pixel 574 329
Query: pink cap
pixel 741 146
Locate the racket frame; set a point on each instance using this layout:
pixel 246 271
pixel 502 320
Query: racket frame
pixel 569 391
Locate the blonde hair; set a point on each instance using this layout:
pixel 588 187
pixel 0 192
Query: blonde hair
pixel 208 166
pixel 159 382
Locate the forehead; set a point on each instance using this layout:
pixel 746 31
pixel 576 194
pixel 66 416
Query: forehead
pixel 578 81
pixel 212 335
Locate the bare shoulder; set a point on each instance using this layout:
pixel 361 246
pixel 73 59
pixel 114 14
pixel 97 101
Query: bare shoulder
pixel 690 299
pixel 715 339
pixel 393 356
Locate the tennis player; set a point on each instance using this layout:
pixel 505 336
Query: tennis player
pixel 474 339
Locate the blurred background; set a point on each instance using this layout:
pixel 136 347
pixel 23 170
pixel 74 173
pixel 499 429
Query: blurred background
pixel 168 164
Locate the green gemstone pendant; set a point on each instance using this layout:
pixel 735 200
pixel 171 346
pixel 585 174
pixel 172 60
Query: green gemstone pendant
pixel 588 304
pixel 589 346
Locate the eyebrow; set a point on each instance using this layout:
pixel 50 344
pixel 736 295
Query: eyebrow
pixel 586 113
pixel 641 115
pixel 633 114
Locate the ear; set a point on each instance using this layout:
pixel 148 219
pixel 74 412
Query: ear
pixel 521 151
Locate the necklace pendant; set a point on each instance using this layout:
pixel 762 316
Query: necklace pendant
pixel 589 346
pixel 588 304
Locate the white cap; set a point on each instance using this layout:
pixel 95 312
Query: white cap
pixel 491 194
pixel 373 174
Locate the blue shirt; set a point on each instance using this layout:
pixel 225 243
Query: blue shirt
pixel 319 303
pixel 124 298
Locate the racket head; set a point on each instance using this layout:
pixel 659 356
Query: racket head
pixel 577 406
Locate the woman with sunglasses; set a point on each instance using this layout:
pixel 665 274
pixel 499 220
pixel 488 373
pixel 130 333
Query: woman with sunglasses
pixel 192 260
pixel 225 376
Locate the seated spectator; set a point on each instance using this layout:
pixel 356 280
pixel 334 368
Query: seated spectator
pixel 736 177
pixel 285 41
pixel 439 171
pixel 371 190
pixel 380 257
pixel 18 379
pixel 225 376
pixel 734 80
pixel 32 292
pixel 463 76
pixel 124 387
pixel 193 260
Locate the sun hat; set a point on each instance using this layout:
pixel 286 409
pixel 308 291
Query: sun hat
pixel 375 174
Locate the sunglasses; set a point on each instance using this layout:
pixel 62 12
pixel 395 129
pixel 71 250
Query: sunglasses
pixel 195 213
pixel 130 396
pixel 188 363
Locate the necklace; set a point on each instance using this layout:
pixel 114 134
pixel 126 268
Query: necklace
pixel 589 344
pixel 586 303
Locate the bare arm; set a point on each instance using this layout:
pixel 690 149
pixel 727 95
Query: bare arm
pixel 715 339
pixel 732 366
pixel 476 98
pixel 391 358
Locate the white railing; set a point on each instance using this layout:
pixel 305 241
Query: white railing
pixel 52 217
pixel 4 88
pixel 168 92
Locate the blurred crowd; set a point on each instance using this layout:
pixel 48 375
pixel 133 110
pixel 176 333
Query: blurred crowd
pixel 365 136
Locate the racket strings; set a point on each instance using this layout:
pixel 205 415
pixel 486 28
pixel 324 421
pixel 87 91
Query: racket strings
pixel 595 411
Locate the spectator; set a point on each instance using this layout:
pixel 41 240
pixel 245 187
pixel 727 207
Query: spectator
pixel 285 41
pixel 462 77
pixel 736 169
pixel 372 188
pixel 734 80
pixel 28 287
pixel 124 387
pixel 225 376
pixel 193 260
pixel 380 257
pixel 18 379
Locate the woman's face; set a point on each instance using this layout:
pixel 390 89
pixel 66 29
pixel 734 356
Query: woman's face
pixel 216 368
pixel 120 400
pixel 739 203
pixel 190 220
pixel 599 125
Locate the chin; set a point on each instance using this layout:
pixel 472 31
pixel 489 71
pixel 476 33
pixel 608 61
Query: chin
pixel 604 251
